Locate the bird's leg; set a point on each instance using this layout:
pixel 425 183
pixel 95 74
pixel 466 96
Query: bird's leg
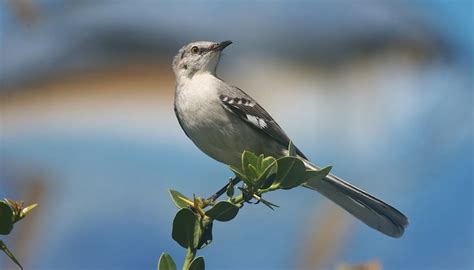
pixel 221 191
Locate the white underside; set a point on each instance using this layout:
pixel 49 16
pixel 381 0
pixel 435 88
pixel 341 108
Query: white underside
pixel 217 132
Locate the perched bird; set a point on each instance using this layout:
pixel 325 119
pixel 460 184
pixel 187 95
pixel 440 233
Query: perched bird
pixel 223 121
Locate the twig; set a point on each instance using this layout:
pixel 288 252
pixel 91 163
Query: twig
pixel 4 248
pixel 221 191
pixel 190 254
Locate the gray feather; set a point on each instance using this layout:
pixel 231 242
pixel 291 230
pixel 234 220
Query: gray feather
pixel 236 101
pixel 370 210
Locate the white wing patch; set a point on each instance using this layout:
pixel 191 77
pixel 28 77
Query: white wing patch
pixel 251 112
pixel 259 122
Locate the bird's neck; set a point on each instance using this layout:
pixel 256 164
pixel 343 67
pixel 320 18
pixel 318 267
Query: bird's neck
pixel 199 77
pixel 202 84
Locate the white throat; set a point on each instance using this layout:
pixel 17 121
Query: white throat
pixel 197 81
pixel 201 86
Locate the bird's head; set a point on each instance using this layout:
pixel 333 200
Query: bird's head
pixel 200 56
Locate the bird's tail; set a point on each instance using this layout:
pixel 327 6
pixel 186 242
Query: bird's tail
pixel 370 210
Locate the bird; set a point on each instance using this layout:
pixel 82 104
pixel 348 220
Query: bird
pixel 223 121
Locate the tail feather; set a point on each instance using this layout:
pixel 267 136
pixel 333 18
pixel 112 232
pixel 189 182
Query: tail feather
pixel 370 210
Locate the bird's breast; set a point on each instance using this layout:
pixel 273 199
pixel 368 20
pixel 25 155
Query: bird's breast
pixel 198 104
pixel 214 130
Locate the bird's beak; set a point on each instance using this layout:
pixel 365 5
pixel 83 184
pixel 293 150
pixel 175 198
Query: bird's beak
pixel 221 46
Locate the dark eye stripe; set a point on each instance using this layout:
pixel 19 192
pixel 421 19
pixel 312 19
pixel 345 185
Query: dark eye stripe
pixel 205 50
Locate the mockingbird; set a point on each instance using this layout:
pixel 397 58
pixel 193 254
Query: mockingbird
pixel 223 121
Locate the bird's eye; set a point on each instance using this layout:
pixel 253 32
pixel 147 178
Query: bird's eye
pixel 194 49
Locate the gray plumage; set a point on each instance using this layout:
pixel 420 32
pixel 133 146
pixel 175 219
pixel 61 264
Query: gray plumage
pixel 223 121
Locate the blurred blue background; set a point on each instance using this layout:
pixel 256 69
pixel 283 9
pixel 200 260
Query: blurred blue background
pixel 88 130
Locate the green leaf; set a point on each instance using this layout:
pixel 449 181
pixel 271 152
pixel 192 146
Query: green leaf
pixel 248 158
pixel 166 262
pixel 183 228
pixel 259 162
pixel 317 175
pixel 263 177
pixel 204 229
pixel 238 173
pixel 269 161
pixel 241 175
pixel 291 149
pixel 5 249
pixel 6 218
pixel 223 211
pixel 291 173
pixel 253 172
pixel 268 204
pixel 190 230
pixel 268 181
pixel 230 189
pixel 25 211
pixel 179 199
pixel 197 264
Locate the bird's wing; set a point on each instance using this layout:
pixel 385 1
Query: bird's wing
pixel 247 109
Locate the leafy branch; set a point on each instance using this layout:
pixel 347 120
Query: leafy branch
pixel 10 213
pixel 192 225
